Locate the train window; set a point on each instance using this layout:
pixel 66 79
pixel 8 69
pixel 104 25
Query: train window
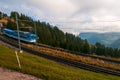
pixel 15 34
pixel 34 37
pixel 23 36
pixel 8 32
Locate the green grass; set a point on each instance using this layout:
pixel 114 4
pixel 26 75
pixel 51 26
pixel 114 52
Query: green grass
pixel 45 68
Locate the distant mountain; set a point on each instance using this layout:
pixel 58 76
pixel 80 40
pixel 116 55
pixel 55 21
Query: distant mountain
pixel 111 39
pixel 116 44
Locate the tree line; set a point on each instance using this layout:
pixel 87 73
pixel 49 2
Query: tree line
pixel 53 36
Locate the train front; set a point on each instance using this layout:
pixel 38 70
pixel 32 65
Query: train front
pixel 33 38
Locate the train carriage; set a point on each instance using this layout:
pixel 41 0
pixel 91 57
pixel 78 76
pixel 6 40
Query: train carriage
pixel 24 36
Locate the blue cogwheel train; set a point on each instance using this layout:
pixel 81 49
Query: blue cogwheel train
pixel 24 36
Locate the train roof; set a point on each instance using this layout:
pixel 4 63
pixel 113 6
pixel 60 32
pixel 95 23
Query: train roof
pixel 33 34
pixel 8 30
pixel 21 32
pixel 27 33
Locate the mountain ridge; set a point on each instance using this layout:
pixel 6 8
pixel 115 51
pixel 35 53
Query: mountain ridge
pixel 109 39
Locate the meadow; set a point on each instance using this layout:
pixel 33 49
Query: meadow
pixel 46 69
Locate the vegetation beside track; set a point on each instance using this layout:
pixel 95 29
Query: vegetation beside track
pixel 46 69
pixel 70 56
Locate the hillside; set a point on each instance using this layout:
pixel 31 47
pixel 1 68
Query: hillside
pixel 116 44
pixel 46 69
pixel 53 36
pixel 108 39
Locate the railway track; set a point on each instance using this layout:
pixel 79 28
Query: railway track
pixel 81 54
pixel 65 61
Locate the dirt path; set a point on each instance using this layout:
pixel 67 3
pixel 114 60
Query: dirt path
pixel 6 74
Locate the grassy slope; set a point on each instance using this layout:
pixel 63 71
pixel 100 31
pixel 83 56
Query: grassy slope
pixel 47 69
pixel 70 56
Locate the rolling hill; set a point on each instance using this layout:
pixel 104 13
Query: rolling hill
pixel 111 39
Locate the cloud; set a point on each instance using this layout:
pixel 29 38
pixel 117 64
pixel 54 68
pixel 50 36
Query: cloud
pixel 73 16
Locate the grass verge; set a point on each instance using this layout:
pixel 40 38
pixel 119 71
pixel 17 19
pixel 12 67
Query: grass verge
pixel 45 68
pixel 70 56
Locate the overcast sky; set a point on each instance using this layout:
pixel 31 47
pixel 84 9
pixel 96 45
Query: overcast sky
pixel 73 16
